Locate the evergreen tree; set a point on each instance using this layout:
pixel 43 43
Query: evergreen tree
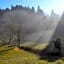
pixel 33 9
pixel 39 11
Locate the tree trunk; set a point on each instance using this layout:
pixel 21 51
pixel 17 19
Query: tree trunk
pixel 10 38
pixel 18 36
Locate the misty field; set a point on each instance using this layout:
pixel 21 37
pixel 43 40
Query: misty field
pixel 14 55
pixel 35 46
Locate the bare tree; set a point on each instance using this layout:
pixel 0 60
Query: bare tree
pixel 9 32
pixel 18 37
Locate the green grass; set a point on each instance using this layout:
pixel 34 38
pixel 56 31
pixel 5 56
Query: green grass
pixel 14 55
pixel 37 46
pixel 40 46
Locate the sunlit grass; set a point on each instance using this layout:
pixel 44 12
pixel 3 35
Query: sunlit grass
pixel 37 46
pixel 18 56
pixel 41 46
pixel 6 47
pixel 27 44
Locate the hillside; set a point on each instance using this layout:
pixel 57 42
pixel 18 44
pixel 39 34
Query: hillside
pixel 14 55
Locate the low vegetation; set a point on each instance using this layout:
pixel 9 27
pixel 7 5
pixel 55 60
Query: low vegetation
pixel 14 55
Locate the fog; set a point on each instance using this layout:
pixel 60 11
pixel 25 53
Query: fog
pixel 37 28
pixel 59 31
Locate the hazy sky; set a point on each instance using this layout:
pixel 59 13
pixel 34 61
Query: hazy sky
pixel 46 5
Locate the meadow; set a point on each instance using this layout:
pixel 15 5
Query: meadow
pixel 14 55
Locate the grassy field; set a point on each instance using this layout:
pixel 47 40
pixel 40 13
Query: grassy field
pixel 14 55
pixel 37 46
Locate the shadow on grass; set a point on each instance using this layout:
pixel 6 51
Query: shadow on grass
pixel 50 56
pixel 6 50
pixel 45 54
pixel 55 54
